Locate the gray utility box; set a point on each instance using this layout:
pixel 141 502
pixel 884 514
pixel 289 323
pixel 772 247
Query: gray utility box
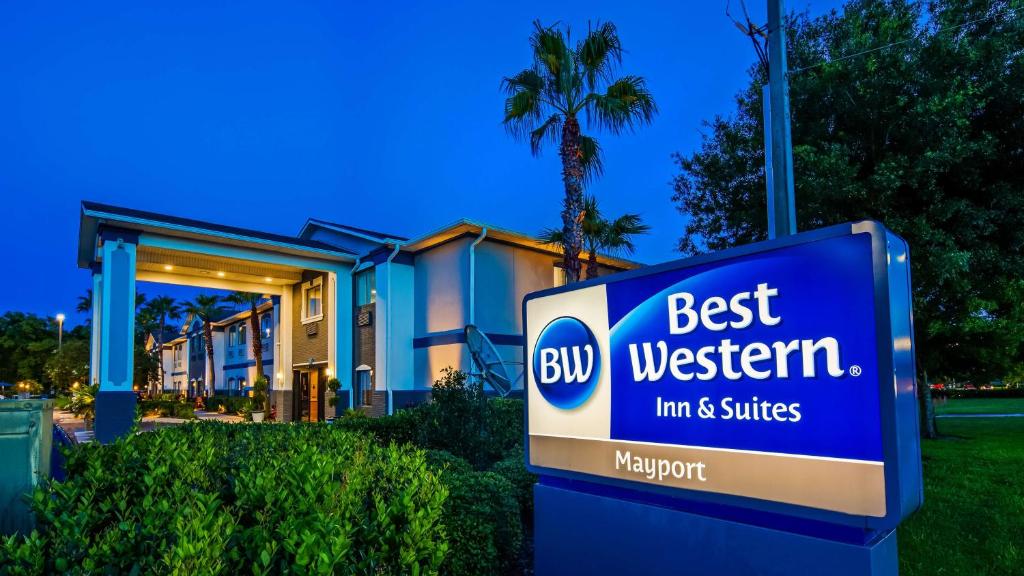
pixel 26 436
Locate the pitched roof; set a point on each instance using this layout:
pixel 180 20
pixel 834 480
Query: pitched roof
pixel 383 236
pixel 97 209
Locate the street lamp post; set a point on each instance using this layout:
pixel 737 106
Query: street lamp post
pixel 60 331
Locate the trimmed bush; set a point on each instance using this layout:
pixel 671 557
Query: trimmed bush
pixel 217 498
pixel 514 470
pixel 404 427
pixel 230 404
pixel 167 409
pixel 446 463
pixel 485 532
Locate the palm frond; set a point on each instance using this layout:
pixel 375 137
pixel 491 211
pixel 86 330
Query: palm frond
pixel 528 80
pixel 590 158
pixel 546 131
pixel 549 48
pixel 551 236
pixel 598 53
pixel 522 110
pixel 625 104
pixel 618 233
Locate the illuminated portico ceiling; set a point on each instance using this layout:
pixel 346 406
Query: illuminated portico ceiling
pixel 177 263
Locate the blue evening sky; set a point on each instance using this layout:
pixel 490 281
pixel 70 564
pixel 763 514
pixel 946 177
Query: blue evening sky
pixel 380 115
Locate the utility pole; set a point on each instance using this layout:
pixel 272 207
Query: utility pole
pixel 778 145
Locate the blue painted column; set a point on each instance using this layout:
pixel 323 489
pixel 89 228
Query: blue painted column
pixel 97 322
pixel 115 403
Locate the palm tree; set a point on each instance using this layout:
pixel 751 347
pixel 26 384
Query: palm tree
pixel 601 234
pixel 252 300
pixel 545 101
pixel 85 303
pixel 161 309
pixel 205 307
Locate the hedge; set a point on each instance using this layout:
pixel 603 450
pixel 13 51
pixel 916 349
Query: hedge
pixel 167 408
pixel 482 519
pixel 218 498
pixel 231 404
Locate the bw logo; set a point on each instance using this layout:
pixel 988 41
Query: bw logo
pixel 566 363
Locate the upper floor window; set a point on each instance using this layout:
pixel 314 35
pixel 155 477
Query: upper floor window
pixel 241 335
pixel 312 300
pixel 366 287
pixel 232 336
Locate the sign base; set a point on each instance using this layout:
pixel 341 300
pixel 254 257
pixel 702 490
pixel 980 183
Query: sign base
pixel 115 415
pixel 581 533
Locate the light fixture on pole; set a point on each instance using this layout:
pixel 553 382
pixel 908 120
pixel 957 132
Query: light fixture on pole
pixel 60 330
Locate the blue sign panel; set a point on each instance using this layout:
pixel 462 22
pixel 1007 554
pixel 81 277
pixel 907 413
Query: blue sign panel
pixel 767 376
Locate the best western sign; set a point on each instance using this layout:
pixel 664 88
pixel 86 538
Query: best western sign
pixel 776 376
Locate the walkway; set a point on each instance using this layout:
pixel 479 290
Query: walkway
pixel 71 423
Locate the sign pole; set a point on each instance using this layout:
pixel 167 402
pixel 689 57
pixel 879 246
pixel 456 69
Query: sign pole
pixel 778 145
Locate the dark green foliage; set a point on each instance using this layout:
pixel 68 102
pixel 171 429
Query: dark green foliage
pixel 223 499
pixel 483 523
pixel 514 470
pixel 462 420
pixel 924 136
pixel 167 408
pixel 446 462
pixel 401 428
pixel 230 404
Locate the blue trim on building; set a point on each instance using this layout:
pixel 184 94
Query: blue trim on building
pixel 459 337
pixel 247 364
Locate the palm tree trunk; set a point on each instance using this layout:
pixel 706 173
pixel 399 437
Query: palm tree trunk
pixel 208 334
pixel 592 261
pixel 257 340
pixel 160 357
pixel 572 206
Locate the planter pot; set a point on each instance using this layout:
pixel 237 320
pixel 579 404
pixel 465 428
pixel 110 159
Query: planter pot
pixel 257 416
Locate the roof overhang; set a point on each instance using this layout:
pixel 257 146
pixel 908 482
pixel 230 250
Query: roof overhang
pixel 179 250
pixel 94 216
pixel 468 227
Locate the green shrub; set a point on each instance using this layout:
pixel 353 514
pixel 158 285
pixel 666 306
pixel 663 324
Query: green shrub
pixel 229 404
pixel 217 498
pixel 446 462
pixel 505 426
pixel 167 409
pixel 404 427
pixel 484 527
pixel 514 470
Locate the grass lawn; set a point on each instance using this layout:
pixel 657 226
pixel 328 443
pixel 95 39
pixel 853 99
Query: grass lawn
pixel 972 521
pixel 981 406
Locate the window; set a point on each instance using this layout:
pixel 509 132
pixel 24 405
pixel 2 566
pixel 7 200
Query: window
pixel 559 275
pixel 241 335
pixel 266 323
pixel 366 287
pixel 312 300
pixel 232 336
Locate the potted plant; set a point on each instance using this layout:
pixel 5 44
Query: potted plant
pixel 259 399
pixel 335 385
pixel 83 404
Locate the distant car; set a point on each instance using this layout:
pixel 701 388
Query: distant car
pixel 939 386
pixel 970 387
